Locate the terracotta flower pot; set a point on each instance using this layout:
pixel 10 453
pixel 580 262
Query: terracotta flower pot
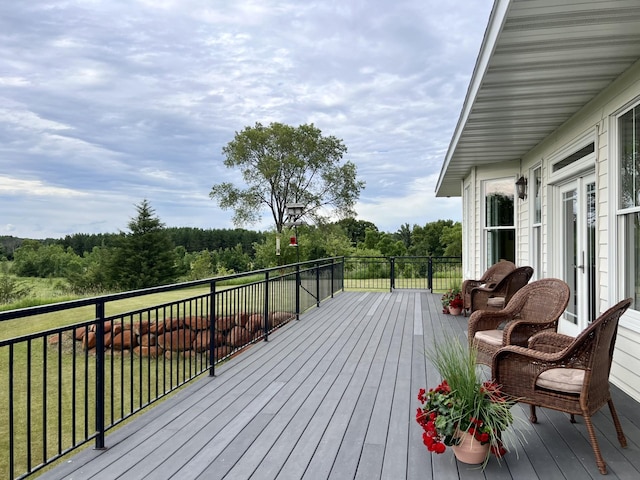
pixel 455 310
pixel 470 450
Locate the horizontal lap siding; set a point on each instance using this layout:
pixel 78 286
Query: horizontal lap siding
pixel 624 371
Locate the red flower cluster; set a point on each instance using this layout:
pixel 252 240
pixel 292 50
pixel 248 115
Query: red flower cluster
pixel 430 437
pixel 427 419
pixel 476 429
pixel 456 302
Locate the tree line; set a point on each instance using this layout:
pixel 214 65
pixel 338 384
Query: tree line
pixel 150 254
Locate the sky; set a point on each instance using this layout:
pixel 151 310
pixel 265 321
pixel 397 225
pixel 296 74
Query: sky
pixel 106 103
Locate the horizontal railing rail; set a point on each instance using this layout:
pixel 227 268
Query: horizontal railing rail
pixel 436 274
pixel 64 387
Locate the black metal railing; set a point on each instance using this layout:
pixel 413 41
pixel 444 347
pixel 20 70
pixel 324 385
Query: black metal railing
pixel 436 274
pixel 67 386
pixel 64 387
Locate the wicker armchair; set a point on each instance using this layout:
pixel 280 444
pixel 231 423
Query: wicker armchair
pixel 496 297
pixel 532 309
pixel 565 373
pixel 493 275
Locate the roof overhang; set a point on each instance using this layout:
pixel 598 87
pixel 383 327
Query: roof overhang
pixel 540 62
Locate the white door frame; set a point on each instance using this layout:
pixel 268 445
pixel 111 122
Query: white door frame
pixel 573 254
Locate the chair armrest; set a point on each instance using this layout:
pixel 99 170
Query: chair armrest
pixel 480 295
pixel 486 320
pixel 467 285
pixel 549 341
pixel 519 332
pixel 516 368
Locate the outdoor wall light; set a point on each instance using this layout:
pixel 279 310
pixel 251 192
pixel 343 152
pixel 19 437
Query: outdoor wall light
pixel 521 188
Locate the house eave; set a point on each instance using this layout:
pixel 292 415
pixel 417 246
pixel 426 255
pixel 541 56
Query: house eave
pixel 540 63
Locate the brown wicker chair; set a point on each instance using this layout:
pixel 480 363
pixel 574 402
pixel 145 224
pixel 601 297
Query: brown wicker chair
pixel 565 373
pixel 532 309
pixel 493 275
pixel 496 297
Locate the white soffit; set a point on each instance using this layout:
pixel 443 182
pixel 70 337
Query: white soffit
pixel 540 62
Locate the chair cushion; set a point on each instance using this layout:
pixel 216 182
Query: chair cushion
pixel 495 302
pixel 492 337
pixel 568 380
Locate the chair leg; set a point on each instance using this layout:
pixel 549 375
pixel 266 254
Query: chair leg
pixel 594 445
pixel 532 414
pixel 616 421
pixel 573 418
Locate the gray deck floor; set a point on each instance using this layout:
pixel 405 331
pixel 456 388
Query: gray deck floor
pixel 334 396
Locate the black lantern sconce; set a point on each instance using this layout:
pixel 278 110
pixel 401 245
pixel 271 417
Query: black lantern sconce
pixel 521 188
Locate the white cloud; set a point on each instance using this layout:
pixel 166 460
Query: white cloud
pixel 131 100
pixel 15 186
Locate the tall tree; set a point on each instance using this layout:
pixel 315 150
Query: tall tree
pixel 281 165
pixel 145 256
pixel 356 229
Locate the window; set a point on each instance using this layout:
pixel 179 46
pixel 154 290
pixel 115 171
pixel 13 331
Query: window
pixel 629 200
pixel 499 220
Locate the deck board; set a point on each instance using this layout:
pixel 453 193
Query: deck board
pixel 333 396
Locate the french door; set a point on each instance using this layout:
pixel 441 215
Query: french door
pixel 577 252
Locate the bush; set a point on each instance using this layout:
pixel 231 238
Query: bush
pixel 12 290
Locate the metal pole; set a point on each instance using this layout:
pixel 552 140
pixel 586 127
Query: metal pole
pixel 100 376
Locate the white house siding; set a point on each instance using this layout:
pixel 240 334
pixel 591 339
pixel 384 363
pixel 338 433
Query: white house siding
pixel 596 120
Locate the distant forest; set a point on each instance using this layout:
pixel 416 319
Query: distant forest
pixel 192 239
pixel 150 254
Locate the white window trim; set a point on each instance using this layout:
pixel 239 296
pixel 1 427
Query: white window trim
pixel 538 270
pixel 483 226
pixel 631 319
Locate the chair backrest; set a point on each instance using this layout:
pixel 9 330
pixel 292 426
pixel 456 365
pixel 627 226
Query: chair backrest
pixel 541 301
pixel 593 351
pixel 595 344
pixel 513 282
pixel 497 271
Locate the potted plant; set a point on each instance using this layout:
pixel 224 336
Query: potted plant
pixel 463 411
pixel 452 295
pixel 455 305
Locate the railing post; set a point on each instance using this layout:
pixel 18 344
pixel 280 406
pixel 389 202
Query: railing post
pixel 393 273
pixel 317 284
pixel 333 266
pixel 212 329
pixel 430 274
pixel 100 376
pixel 297 291
pixel 266 306
pixel 344 260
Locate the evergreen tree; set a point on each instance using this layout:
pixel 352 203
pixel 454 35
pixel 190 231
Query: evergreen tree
pixel 145 257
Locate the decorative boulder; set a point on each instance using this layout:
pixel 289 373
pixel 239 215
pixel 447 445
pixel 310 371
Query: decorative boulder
pixel 146 339
pixel 196 323
pixel 89 340
pixel 242 319
pixel 255 323
pixel 201 341
pixel 141 328
pixel 224 324
pixel 125 340
pixel 238 337
pixel 176 340
pixel 153 351
pixel 222 352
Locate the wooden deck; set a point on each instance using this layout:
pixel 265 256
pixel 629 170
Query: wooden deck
pixel 333 396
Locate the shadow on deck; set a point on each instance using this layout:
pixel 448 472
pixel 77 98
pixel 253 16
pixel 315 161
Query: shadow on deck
pixel 334 396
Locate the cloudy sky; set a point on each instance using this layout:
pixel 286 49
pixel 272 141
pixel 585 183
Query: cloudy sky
pixel 104 103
